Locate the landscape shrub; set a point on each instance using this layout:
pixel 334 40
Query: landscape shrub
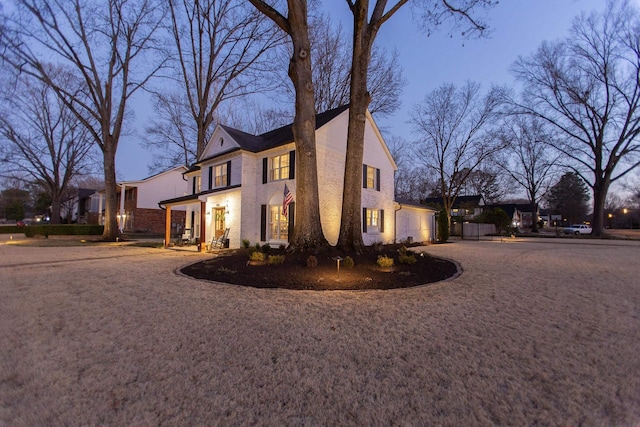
pixel 63 230
pixel 11 229
pixel 245 243
pixel 406 256
pixel 407 259
pixel 275 259
pixel 256 256
pixel 384 261
pixel 348 262
pixel 312 261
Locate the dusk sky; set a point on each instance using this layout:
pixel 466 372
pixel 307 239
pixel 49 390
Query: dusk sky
pixel 517 28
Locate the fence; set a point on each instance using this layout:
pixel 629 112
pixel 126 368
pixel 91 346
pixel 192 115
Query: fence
pixel 472 231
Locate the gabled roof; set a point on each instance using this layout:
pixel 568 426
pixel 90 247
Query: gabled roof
pixel 175 168
pixel 277 137
pixel 460 200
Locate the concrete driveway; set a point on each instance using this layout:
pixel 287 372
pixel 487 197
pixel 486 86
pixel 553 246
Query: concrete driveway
pixel 533 332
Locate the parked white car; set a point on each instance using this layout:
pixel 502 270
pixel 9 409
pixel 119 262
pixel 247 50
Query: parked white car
pixel 577 229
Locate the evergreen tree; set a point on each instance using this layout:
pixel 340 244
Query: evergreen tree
pixel 569 198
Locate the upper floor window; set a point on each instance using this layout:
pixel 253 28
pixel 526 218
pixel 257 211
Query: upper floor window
pixel 197 184
pixel 279 167
pixel 370 177
pixel 220 175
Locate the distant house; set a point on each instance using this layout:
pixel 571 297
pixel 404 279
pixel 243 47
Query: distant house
pixel 465 207
pixel 138 209
pixel 80 208
pixel 238 184
pixel 520 213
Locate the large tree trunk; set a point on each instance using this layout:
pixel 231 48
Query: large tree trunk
pixel 307 232
pixel 55 207
pixel 351 225
pixel 111 199
pixel 534 215
pixel 600 190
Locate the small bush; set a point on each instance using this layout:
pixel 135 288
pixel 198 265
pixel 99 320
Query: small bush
pixel 265 248
pixel 275 259
pixel 62 229
pixel 407 259
pixel 384 261
pixel 312 261
pixel 257 246
pixel 256 256
pixel 245 243
pixel 348 262
pixel 403 251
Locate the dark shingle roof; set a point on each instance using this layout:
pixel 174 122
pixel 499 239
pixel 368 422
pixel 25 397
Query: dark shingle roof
pixel 460 200
pixel 277 137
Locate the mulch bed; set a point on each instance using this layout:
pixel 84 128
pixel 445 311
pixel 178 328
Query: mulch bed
pixel 232 267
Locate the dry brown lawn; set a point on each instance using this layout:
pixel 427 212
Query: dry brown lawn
pixel 532 333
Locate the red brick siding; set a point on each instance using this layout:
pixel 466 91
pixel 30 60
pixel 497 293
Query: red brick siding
pixel 152 220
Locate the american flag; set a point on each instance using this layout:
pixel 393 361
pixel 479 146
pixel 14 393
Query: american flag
pixel 288 198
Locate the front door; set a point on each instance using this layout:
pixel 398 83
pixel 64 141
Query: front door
pixel 218 222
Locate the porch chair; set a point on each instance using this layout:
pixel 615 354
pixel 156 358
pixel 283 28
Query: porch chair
pixel 186 236
pixel 219 242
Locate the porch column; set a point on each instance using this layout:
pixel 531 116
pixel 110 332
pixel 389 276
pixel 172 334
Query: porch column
pixel 100 221
pixel 167 227
pixel 122 217
pixel 203 231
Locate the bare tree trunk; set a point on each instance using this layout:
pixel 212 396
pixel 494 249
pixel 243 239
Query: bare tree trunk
pixel 307 232
pixel 350 237
pixel 534 215
pixel 110 231
pixel 55 208
pixel 600 190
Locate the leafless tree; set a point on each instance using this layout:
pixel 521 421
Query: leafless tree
pixel 330 51
pixel 45 143
pixel 587 87
pixel 106 44
pixel 172 133
pixel 366 25
pixel 527 158
pixel 412 182
pixel 487 182
pixel 307 231
pixel 455 129
pixel 222 47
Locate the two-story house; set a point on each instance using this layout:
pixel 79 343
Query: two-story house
pixel 238 183
pixel 138 209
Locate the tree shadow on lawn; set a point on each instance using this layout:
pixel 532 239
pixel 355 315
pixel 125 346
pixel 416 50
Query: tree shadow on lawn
pixel 233 267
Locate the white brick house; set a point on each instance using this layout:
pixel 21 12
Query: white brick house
pixel 238 183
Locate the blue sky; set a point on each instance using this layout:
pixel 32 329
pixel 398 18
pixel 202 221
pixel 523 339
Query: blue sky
pixel 518 27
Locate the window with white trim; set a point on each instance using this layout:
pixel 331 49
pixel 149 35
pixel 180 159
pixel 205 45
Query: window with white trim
pixel 279 167
pixel 370 177
pixel 372 220
pixel 278 224
pixel 220 175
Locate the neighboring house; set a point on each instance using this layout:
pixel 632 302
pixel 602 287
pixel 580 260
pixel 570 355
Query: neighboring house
pixel 466 207
pixel 138 208
pixel 520 213
pixel 80 208
pixel 238 183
